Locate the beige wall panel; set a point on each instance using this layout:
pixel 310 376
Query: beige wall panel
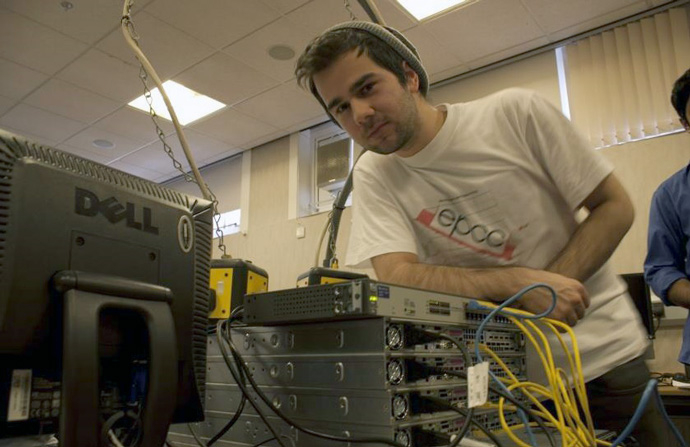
pixel 536 73
pixel 641 166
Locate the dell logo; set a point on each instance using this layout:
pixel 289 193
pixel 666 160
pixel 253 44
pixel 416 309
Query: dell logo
pixel 87 203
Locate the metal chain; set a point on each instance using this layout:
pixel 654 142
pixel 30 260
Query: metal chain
pixel 349 9
pixel 166 147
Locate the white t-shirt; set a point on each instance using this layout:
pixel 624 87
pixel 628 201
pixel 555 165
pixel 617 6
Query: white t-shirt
pixel 498 186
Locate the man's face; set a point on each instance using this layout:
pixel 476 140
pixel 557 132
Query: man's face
pixel 369 102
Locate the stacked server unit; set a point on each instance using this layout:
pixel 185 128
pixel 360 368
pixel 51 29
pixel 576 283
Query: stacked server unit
pixel 357 375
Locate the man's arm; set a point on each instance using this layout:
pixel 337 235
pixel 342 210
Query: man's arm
pixel 664 265
pixel 496 283
pixel 679 293
pixel 610 217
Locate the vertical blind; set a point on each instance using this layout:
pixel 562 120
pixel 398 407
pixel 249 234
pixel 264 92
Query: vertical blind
pixel 620 81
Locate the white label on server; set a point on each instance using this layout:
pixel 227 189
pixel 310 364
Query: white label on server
pixel 20 396
pixel 477 384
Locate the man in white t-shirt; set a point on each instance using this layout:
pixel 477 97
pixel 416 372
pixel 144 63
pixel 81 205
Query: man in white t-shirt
pixel 479 199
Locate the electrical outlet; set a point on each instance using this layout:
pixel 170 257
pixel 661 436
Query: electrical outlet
pixel 300 231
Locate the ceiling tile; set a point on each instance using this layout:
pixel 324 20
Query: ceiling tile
pixel 253 49
pixel 138 171
pixel 154 158
pixel 233 127
pixel 220 156
pixel 168 49
pixel 215 22
pixel 225 78
pixel 282 106
pixel 446 74
pixel 17 81
pixel 311 122
pixel 512 51
pixel 202 147
pixel 86 21
pixel 596 22
pixel 29 136
pixel 105 75
pixel 394 15
pixel 284 6
pixel 52 127
pixel 136 124
pixel 65 99
pixel 6 104
pixel 436 57
pixel 84 141
pixel 89 155
pixel 555 16
pixel 328 12
pixel 484 27
pixel 35 46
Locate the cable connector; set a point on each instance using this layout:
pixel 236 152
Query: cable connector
pixel 416 336
pixel 428 404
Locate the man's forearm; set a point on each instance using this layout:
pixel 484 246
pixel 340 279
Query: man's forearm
pixel 593 242
pixel 492 283
pixel 496 284
pixel 679 293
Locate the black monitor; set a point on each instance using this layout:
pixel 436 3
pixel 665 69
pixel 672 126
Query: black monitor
pixel 639 291
pixel 103 299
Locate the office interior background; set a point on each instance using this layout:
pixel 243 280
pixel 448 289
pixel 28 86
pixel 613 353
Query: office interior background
pixel 67 76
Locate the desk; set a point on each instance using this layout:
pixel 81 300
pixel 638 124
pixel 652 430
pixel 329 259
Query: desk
pixel 677 404
pixel 676 400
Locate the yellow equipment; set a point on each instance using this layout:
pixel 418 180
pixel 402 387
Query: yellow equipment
pixel 323 275
pixel 232 279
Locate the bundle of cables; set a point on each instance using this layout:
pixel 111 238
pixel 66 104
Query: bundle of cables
pixel 572 419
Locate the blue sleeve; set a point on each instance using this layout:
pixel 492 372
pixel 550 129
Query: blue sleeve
pixel 665 262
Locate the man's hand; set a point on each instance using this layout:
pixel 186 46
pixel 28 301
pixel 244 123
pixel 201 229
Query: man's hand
pixel 571 297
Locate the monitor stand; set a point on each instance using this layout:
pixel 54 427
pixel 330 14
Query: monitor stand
pixel 85 296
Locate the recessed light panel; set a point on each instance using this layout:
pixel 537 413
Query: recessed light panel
pixel 188 104
pixel 422 9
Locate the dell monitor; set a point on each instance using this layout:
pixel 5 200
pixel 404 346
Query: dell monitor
pixel 103 299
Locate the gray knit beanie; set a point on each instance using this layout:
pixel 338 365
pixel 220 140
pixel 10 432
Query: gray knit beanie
pixel 396 41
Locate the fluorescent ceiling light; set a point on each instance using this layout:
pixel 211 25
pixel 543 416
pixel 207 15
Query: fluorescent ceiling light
pixel 421 9
pixel 188 104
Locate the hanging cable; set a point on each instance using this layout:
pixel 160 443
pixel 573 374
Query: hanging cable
pixel 331 259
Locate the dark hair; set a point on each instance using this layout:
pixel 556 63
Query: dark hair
pixel 680 96
pixel 326 48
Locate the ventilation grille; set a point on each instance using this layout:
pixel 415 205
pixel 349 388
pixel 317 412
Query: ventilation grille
pixel 6 178
pixel 297 304
pixel 300 304
pixel 203 229
pixel 13 148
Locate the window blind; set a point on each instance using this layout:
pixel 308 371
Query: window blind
pixel 619 81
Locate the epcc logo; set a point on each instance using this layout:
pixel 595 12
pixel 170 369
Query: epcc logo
pixel 459 225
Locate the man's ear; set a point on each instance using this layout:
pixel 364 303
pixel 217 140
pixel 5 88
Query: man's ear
pixel 411 78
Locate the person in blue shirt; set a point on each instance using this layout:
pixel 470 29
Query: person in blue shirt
pixel 667 269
